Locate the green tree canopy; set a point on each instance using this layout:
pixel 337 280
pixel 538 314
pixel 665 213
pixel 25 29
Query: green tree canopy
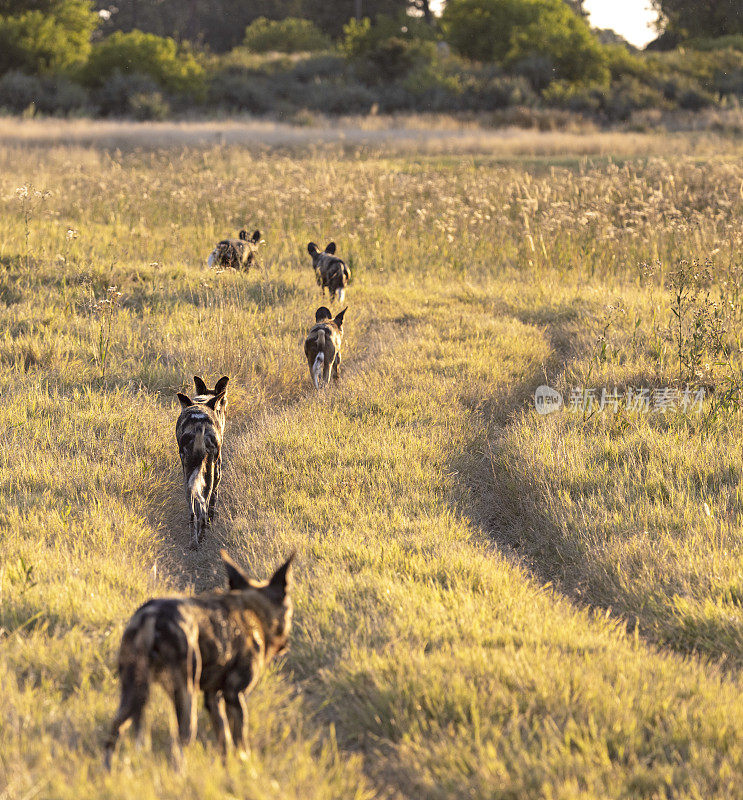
pixel 290 35
pixel 700 18
pixel 220 23
pixel 145 54
pixel 45 36
pixel 511 31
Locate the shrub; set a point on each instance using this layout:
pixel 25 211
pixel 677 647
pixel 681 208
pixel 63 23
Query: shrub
pixel 290 35
pixel 386 51
pixel 149 106
pixel 48 94
pixel 732 42
pixel 54 40
pixel 509 31
pixel 239 90
pixel 172 69
pixel 125 94
pixel 729 82
pixel 494 91
pixel 320 67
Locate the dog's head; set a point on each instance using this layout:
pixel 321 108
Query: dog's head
pixel 254 239
pixel 323 314
pixel 204 394
pixel 217 403
pixel 315 251
pixel 273 596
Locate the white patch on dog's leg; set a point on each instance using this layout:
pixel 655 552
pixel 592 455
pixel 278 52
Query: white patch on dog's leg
pixel 341 295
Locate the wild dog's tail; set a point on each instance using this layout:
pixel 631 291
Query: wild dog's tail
pixel 136 648
pixel 196 487
pixel 319 359
pixel 210 262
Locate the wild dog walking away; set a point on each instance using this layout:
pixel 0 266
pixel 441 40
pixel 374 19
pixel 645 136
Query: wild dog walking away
pixel 218 641
pixel 240 253
pixel 203 394
pixel 199 432
pixel 323 346
pixel 330 270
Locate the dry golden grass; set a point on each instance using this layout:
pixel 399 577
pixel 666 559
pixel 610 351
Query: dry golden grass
pixel 489 603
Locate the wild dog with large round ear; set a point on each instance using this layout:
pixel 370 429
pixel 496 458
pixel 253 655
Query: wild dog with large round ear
pixel 203 394
pixel 322 347
pixel 199 433
pixel 330 271
pixel 240 253
pixel 219 641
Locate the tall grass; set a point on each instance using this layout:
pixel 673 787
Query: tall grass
pixel 489 603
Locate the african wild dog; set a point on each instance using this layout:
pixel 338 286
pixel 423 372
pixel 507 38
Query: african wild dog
pixel 240 253
pixel 199 432
pixel 219 641
pixel 323 345
pixel 203 393
pixel 330 270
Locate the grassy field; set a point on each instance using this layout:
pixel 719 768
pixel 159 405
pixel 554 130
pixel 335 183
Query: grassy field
pixel 489 603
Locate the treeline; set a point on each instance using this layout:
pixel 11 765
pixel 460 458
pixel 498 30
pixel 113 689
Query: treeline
pixel 220 24
pixel 152 58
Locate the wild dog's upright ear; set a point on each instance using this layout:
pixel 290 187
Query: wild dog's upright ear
pixel 186 401
pixel 339 317
pixel 236 578
pixel 322 314
pixel 312 249
pixel 200 385
pixel 221 385
pixel 256 237
pixel 281 582
pixel 216 403
pixel 243 235
pixel 330 248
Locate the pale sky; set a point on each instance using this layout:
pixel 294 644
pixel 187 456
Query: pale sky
pixel 632 19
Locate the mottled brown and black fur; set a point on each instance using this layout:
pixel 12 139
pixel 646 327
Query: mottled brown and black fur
pixel 240 253
pixel 330 270
pixel 323 345
pixel 219 642
pixel 199 433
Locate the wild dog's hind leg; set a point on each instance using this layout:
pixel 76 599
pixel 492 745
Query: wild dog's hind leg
pixel 236 715
pixel 188 493
pixel 215 486
pixel 215 706
pixel 236 687
pixel 184 680
pixel 338 366
pixel 135 692
pixel 327 367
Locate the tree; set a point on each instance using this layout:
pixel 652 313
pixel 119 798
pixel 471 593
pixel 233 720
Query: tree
pixel 45 36
pixel 141 53
pixel 577 7
pixel 220 23
pixel 700 18
pixel 290 35
pixel 526 32
pixel 423 7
